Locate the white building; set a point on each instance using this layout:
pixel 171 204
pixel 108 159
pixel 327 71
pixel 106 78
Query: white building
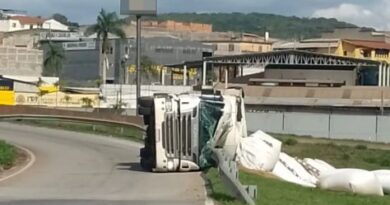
pixel 55 25
pixel 19 23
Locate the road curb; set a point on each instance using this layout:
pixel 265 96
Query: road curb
pixel 208 191
pixel 31 157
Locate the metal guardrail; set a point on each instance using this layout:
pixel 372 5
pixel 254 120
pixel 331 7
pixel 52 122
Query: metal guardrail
pixel 229 173
pixel 24 112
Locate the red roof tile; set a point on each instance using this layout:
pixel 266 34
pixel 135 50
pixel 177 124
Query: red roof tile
pixel 28 20
pixel 369 44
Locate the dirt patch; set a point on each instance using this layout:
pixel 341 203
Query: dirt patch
pixel 22 159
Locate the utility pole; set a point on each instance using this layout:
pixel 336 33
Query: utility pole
pixel 138 8
pixel 138 60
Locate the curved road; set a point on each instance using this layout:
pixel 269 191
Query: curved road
pixel 74 168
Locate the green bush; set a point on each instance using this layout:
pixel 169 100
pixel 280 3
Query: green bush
pixel 7 155
pixel 361 147
pixel 385 162
pixel 346 156
pixel 291 142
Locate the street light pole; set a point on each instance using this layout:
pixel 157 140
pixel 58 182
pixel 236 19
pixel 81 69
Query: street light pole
pixel 138 60
pixel 138 8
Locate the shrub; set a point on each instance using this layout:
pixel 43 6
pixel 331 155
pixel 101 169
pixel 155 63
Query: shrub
pixel 291 142
pixel 361 147
pixel 7 155
pixel 346 156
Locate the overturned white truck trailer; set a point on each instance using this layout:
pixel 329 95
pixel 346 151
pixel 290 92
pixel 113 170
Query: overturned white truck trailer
pixel 184 129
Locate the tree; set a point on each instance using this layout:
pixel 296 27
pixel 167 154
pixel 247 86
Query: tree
pixel 87 102
pixel 148 68
pixel 67 98
pixel 61 18
pixel 106 23
pixel 54 59
pixel 64 20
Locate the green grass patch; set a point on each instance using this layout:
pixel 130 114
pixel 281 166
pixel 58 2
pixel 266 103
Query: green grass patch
pixel 129 133
pixel 276 192
pixel 8 155
pixel 339 153
pixel 342 156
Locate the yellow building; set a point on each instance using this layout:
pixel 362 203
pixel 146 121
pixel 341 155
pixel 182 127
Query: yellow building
pixel 362 49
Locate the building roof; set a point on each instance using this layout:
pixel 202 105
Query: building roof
pixel 369 44
pixel 309 43
pixel 28 20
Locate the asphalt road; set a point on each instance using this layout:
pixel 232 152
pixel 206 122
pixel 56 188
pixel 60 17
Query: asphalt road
pixel 83 169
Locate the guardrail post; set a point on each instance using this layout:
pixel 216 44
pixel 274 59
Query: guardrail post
pixel 229 173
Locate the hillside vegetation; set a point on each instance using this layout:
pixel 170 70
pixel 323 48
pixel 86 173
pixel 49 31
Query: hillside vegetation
pixel 279 26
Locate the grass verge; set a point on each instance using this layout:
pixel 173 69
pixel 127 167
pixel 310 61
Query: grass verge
pixel 100 129
pixel 341 154
pixel 8 155
pixel 275 192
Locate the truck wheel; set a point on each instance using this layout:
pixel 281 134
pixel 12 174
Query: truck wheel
pixel 144 153
pixel 146 165
pixel 145 101
pixel 145 111
pixel 146 119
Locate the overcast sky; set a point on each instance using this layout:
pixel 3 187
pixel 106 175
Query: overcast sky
pixel 374 13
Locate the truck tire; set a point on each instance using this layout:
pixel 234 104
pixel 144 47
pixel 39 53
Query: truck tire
pixel 145 111
pixel 145 102
pixel 144 153
pixel 147 119
pixel 146 165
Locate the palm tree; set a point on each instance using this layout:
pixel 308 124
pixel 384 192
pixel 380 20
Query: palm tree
pixel 67 98
pixel 55 56
pixel 149 68
pixel 106 23
pixel 87 103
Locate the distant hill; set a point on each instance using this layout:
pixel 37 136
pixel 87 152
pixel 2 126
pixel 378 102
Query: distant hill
pixel 279 26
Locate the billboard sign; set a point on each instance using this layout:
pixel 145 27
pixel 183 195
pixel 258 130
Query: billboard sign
pixel 83 45
pixel 139 7
pixel 6 85
pixel 60 36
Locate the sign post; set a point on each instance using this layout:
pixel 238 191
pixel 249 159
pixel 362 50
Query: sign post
pixel 139 8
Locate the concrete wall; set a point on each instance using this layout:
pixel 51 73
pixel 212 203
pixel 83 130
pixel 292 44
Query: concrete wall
pixel 306 74
pixel 20 61
pixel 21 40
pixel 334 125
pixel 80 65
pixel 111 93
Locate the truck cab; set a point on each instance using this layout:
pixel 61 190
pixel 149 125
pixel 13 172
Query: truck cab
pixel 181 129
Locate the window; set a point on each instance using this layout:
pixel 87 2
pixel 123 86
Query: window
pixel 381 53
pixel 111 50
pixel 164 50
pixel 345 53
pixel 215 47
pixel 13 25
pixel 189 50
pixel 366 53
pixel 231 47
pixel 126 50
pixel 260 49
